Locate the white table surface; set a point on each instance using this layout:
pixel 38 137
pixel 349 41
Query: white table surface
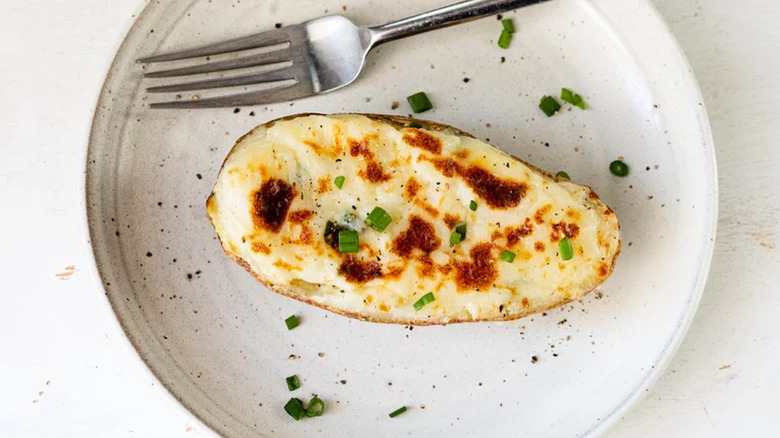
pixel 66 369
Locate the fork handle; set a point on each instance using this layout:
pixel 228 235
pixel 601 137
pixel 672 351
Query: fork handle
pixel 447 16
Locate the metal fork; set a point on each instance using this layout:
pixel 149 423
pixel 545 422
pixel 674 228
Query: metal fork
pixel 316 56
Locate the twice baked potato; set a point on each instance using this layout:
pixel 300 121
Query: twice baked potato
pixel 398 220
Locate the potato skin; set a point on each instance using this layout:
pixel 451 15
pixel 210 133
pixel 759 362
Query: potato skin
pixel 399 122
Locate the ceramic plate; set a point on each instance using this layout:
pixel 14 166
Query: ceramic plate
pixel 216 339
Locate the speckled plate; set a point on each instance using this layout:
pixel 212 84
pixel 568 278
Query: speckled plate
pixel 216 339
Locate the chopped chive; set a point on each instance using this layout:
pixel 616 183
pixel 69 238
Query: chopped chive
pixel 573 98
pixel 618 168
pixel 461 229
pixel 425 299
pixel 292 322
pixel 509 26
pixel 294 407
pixel 419 102
pixel 293 383
pixel 455 238
pixel 562 174
pixel 507 256
pixel 316 407
pixel 415 125
pixel 398 412
pixel 549 105
pixel 473 206
pixel 378 219
pixel 331 235
pixel 348 241
pixel 339 181
pixel 504 39
pixel 564 246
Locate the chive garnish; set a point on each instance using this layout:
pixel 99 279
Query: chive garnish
pixel 425 299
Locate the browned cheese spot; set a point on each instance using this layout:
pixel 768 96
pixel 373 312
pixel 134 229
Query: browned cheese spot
pixel 480 272
pixel 569 230
pixel 411 188
pixel 359 271
pixel 319 150
pixel 260 247
pixel 426 268
pixel 514 234
pixel 497 192
pixel 299 220
pixel 394 272
pixel 305 237
pixel 300 216
pixel 539 246
pixel 270 204
pixel 323 185
pixel 423 140
pixel 525 302
pixel 286 266
pixel 430 209
pixel 419 236
pixel 384 307
pixel 451 220
pixel 539 215
pixel 373 171
pixel 603 269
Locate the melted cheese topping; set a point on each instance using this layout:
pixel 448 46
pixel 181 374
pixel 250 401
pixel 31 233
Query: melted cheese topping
pixel 275 195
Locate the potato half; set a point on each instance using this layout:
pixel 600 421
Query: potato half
pixel 278 212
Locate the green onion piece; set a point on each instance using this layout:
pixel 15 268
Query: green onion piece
pixel 562 174
pixel 294 407
pixel 415 124
pixel 461 229
pixel 292 322
pixel 293 383
pixel 549 105
pixel 398 412
pixel 573 98
pixel 507 256
pixel 419 102
pixel 618 168
pixel 473 206
pixel 316 407
pixel 455 238
pixel 504 39
pixel 425 299
pixel 348 241
pixel 567 95
pixel 339 181
pixel 378 219
pixel 564 246
pixel 509 26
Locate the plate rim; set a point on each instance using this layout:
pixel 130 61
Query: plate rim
pixel 635 396
pixel 703 269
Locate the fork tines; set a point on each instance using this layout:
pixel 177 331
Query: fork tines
pixel 292 79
